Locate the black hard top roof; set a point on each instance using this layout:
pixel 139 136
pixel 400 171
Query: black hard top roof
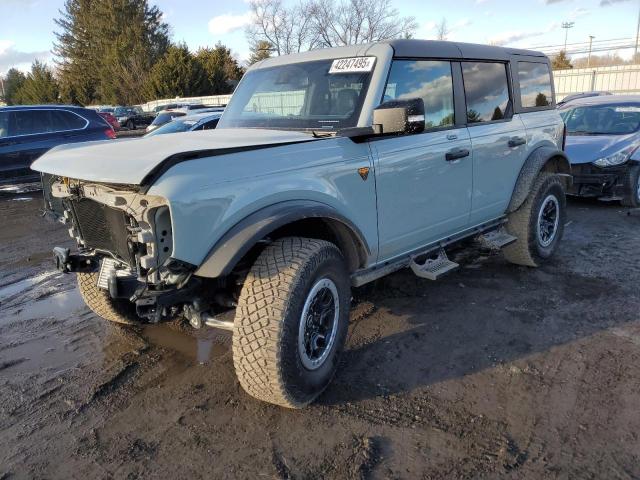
pixel 436 48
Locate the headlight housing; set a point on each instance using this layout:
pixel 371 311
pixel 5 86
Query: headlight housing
pixel 617 158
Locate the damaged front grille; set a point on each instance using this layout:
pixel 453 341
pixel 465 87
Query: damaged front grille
pixel 102 228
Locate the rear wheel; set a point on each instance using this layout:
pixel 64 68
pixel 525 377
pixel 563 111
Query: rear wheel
pixel 131 125
pixel 632 187
pixel 538 223
pixel 101 303
pixel 291 321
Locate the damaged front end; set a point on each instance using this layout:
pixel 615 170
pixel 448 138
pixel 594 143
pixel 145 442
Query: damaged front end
pixel 125 236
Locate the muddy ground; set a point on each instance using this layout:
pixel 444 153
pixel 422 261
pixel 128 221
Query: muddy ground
pixel 494 372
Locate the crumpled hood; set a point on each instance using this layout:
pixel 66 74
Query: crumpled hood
pixel 130 161
pixel 588 148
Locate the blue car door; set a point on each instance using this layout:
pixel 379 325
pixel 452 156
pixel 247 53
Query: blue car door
pixel 22 146
pixel 497 136
pixel 423 180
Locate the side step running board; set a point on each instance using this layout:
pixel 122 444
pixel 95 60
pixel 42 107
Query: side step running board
pixel 496 239
pixel 433 268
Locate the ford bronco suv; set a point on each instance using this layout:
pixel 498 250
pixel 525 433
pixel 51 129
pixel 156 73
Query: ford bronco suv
pixel 328 169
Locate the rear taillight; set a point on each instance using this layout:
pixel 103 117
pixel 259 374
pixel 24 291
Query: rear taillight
pixel 110 132
pixel 564 137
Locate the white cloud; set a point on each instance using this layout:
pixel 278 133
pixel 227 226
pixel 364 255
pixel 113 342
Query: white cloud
pixel 578 12
pixel 228 23
pixel 509 37
pixel 428 29
pixel 465 22
pixel 5 45
pixel 12 58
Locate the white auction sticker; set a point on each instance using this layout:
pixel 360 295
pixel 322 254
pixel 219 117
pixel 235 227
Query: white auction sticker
pixel 352 65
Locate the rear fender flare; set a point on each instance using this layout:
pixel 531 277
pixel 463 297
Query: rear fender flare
pixel 542 158
pixel 237 242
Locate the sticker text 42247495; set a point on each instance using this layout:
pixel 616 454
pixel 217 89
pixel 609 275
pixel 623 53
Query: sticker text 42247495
pixel 352 65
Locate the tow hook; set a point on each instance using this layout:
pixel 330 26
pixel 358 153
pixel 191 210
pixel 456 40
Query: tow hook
pixel 61 259
pixel 66 263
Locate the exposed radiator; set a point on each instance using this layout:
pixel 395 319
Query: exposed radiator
pixel 102 228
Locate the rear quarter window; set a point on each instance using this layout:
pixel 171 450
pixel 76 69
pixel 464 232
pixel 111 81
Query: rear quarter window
pixel 486 89
pixel 61 121
pixel 535 85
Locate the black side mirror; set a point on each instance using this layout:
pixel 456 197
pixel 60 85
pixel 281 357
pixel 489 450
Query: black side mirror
pixel 399 116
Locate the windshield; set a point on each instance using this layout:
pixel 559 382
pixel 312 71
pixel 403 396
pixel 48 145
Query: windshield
pixel 175 126
pixel 301 96
pixel 124 111
pixel 165 117
pixel 602 119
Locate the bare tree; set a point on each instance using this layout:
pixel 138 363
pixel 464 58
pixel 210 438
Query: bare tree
pixel 442 30
pixel 287 30
pixel 325 23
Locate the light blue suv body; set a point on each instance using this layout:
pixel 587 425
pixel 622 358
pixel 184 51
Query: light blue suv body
pixel 412 196
pixel 389 151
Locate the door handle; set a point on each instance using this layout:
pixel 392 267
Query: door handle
pixel 517 141
pixel 456 154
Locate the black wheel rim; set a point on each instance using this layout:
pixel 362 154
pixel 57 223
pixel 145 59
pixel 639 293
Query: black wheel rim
pixel 548 220
pixel 318 324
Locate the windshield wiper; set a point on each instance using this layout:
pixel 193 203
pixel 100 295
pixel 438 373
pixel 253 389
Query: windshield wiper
pixel 319 134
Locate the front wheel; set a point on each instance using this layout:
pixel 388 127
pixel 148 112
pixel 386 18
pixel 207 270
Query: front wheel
pixel 101 303
pixel 632 187
pixel 291 321
pixel 538 223
pixel 131 125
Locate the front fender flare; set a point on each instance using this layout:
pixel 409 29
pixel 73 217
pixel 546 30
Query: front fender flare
pixel 237 242
pixel 530 170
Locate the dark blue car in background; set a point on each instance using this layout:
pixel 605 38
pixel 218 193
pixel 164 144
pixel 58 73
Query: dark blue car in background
pixel 26 132
pixel 603 136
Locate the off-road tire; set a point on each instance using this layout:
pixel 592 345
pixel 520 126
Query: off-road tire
pixel 528 250
pixel 266 326
pixel 631 192
pixel 101 303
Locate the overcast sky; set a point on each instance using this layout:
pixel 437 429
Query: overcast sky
pixel 26 28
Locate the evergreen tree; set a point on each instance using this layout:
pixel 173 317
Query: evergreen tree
pixel 221 69
pixel 77 48
pixel 39 87
pixel 260 51
pixel 177 74
pixel 542 100
pixel 561 61
pixel 106 49
pixel 133 34
pixel 12 83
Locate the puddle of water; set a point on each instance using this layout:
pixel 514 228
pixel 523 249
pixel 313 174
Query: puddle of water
pixel 21 188
pixel 51 348
pixel 20 286
pixel 202 346
pixel 59 306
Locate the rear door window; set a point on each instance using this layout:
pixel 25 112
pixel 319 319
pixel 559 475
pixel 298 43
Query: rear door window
pixel 487 91
pixel 429 80
pixel 30 122
pixel 535 84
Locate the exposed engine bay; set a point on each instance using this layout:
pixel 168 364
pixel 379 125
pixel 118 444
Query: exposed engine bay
pixel 126 237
